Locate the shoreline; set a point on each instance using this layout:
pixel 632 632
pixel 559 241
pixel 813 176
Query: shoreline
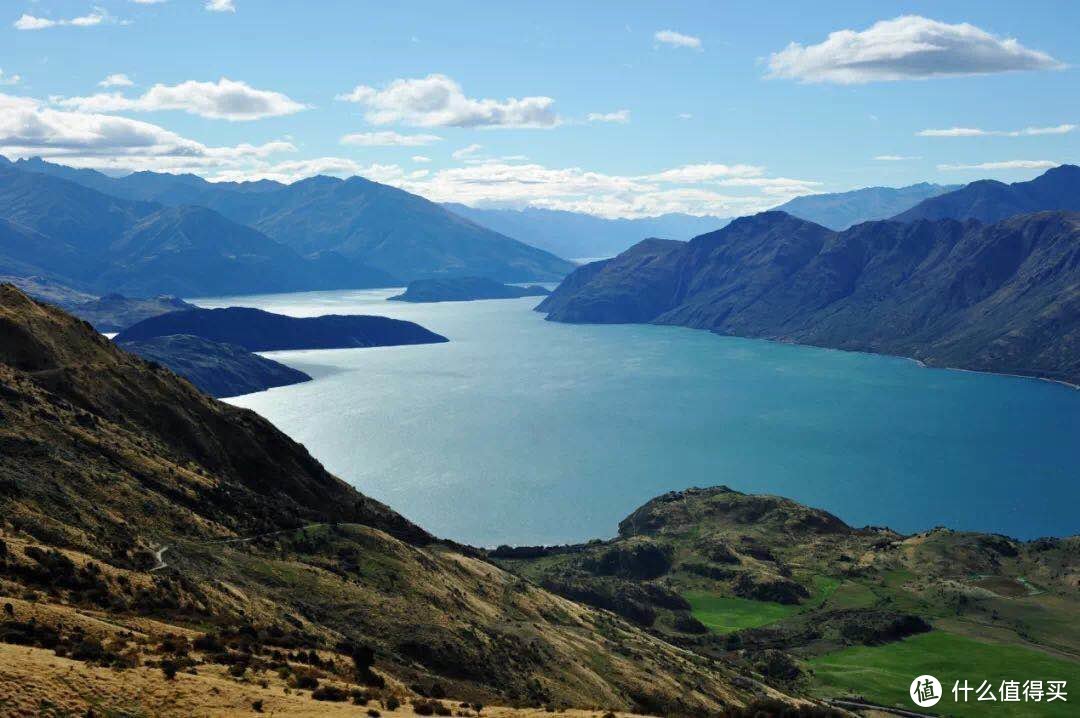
pixel 918 362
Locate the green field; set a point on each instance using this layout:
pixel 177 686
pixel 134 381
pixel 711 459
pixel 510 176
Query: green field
pixel 723 614
pixel 883 674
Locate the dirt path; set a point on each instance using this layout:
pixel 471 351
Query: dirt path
pixel 159 554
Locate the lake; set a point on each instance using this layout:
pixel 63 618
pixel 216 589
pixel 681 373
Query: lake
pixel 524 431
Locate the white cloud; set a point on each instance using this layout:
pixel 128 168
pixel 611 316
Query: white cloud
pixel 9 79
pixel 619 116
pixel 906 48
pixel 977 132
pixel 420 158
pixel 500 183
pixel 895 158
pixel 97 16
pixel 1005 165
pixel 705 172
pixel 438 101
pixel 467 151
pixel 677 39
pixel 220 6
pixel 30 128
pixel 117 80
pixel 388 139
pixel 685 116
pixel 225 99
pixel 148 2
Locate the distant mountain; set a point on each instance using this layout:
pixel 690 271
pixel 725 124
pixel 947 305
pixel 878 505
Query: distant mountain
pixel 259 331
pixel 115 312
pixel 576 235
pixel 1003 297
pixel 92 241
pixel 840 210
pixel 464 289
pixel 214 368
pixel 990 200
pixel 399 233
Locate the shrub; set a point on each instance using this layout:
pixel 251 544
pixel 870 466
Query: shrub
pixel 307 681
pixel 372 713
pixel 391 703
pixel 329 693
pixel 257 706
pixel 169 668
pixel 237 669
pixel 89 649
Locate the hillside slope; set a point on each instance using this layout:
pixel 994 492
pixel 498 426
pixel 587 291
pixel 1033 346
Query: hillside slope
pixel 785 587
pixel 1003 297
pixel 265 564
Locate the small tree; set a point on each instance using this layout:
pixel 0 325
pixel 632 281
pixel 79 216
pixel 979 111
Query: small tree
pixel 169 668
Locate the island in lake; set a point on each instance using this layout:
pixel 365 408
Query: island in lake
pixel 213 367
pixel 464 289
pixel 259 331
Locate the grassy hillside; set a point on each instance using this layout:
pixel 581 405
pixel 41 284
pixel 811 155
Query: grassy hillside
pixel 813 604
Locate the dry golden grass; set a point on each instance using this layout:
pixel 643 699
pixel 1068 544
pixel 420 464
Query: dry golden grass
pixel 34 682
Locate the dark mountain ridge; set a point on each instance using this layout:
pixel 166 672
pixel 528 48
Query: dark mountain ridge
pixel 991 201
pixel 1003 297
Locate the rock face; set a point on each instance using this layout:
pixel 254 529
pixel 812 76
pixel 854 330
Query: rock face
pixel 1003 297
pixel 214 368
pixel 115 312
pixel 840 210
pixel 359 221
pixel 464 289
pixel 991 201
pixel 259 331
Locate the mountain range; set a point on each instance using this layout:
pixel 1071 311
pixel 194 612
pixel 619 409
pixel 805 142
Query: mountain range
pixel 840 210
pixel 1003 297
pixel 577 235
pixel 103 244
pixel 398 234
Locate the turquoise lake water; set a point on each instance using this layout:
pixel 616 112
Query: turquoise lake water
pixel 524 431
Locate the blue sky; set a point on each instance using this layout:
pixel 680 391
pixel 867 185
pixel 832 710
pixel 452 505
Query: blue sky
pixel 621 109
